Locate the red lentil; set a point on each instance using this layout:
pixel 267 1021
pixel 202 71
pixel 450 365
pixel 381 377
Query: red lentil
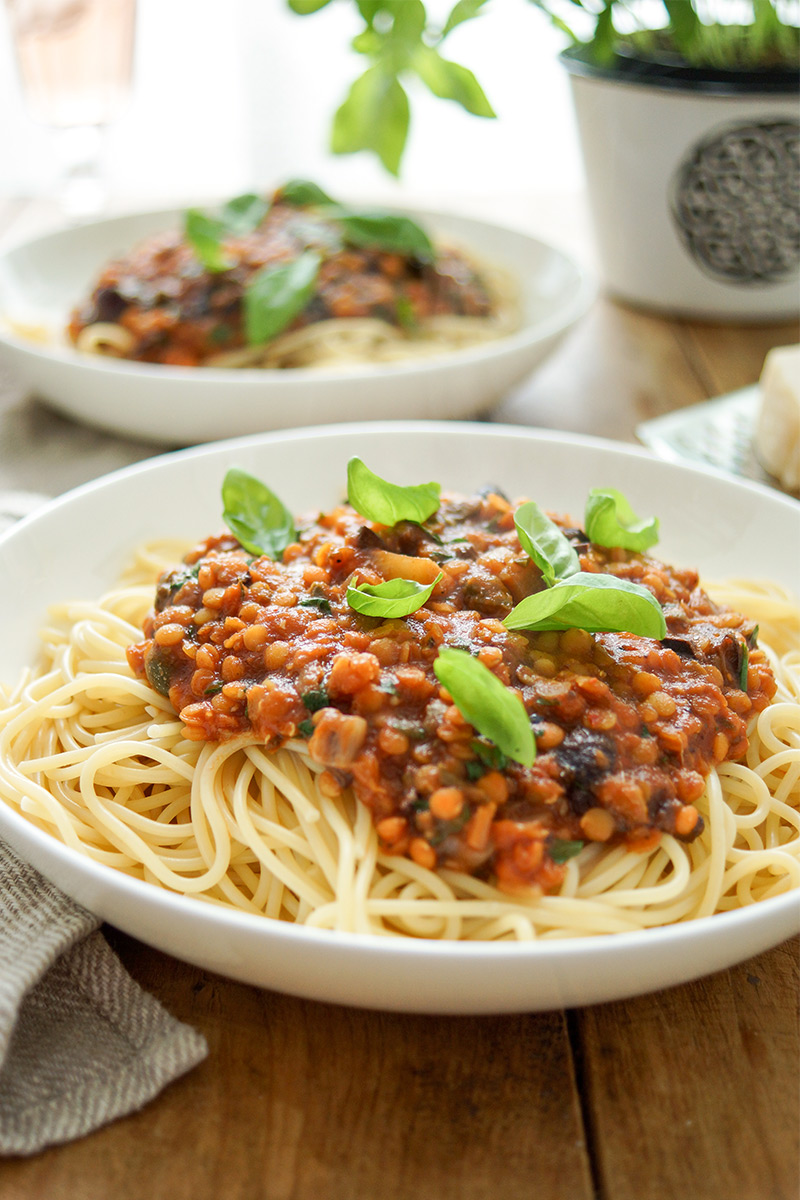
pixel 627 728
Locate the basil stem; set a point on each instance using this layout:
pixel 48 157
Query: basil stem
pixel 544 542
pixel 276 294
pixel 387 503
pixel 610 521
pixel 595 602
pixel 493 709
pixel 744 667
pixel 260 521
pixel 394 598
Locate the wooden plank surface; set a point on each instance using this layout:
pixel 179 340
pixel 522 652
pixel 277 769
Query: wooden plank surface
pixel 305 1101
pixel 691 1092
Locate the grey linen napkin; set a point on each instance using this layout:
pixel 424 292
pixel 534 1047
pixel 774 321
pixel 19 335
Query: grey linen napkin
pixel 80 1043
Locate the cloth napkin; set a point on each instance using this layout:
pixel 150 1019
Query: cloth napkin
pixel 80 1043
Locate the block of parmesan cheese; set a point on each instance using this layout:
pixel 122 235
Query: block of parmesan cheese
pixel 777 437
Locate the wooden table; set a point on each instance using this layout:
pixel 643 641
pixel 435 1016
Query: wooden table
pixel 688 1094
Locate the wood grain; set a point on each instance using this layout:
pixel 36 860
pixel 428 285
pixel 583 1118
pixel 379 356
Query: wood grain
pixel 304 1101
pixel 726 357
pixel 616 368
pixel 693 1091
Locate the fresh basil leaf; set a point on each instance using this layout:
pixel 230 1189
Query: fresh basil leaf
pixel 305 728
pixel 387 503
pixel 394 598
pixel 245 213
pixel 610 521
pixel 313 231
pixel 205 235
pixel 386 231
pixel 544 542
pixel 302 192
pixel 277 294
pixel 319 602
pixel 315 700
pixel 450 81
pixel 561 851
pixel 595 602
pixel 158 670
pixel 495 711
pixel 304 7
pixel 206 231
pixel 374 116
pixel 489 755
pixel 463 10
pixel 255 514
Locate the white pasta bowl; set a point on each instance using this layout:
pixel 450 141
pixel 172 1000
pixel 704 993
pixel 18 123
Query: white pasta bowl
pixel 43 279
pixel 75 547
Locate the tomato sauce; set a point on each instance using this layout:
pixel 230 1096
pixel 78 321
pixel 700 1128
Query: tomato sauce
pixel 179 313
pixel 627 728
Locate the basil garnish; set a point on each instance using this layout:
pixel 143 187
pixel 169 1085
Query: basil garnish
pixel 387 503
pixel 595 602
pixel 489 755
pixel 205 234
pixel 255 514
pixel 276 294
pixel 315 699
pixel 319 602
pixel 544 542
pixel 495 711
pixel 245 213
pixel 302 192
pixel 610 521
pixel 206 231
pixel 744 666
pixel 381 230
pixel 394 598
pixel 386 231
pixel 561 851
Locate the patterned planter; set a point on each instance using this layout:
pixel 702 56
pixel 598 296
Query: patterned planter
pixel 694 186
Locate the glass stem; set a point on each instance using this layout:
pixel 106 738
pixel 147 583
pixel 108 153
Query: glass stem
pixel 80 189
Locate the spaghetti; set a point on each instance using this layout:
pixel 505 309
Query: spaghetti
pixel 98 758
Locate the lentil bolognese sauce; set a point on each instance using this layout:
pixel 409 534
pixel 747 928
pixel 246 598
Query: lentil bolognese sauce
pixel 626 728
pixel 293 280
pixel 419 714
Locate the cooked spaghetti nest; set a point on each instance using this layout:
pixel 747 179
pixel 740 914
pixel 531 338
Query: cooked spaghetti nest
pixel 98 759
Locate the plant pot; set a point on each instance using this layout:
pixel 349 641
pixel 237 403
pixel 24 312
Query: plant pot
pixel 693 185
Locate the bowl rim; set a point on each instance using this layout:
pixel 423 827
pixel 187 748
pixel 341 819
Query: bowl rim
pixel 579 295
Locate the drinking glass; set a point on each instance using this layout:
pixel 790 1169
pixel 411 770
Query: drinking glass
pixel 75 60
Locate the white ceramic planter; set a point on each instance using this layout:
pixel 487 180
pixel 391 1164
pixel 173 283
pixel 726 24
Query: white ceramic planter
pixel 694 190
